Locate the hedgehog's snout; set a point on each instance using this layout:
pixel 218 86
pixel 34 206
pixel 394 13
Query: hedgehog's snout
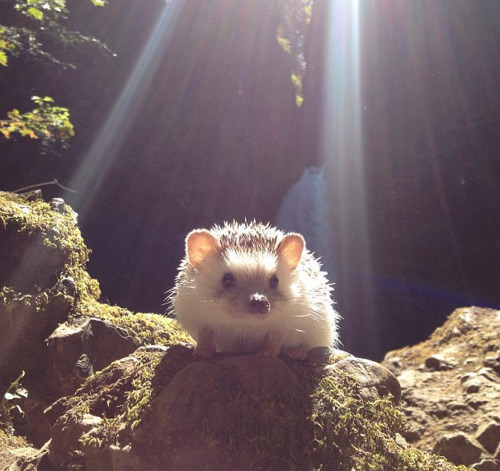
pixel 258 304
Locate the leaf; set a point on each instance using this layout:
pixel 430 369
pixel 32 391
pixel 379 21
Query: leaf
pixel 3 58
pixel 35 13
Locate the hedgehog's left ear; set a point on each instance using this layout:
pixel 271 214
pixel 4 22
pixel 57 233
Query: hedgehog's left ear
pixel 200 244
pixel 290 250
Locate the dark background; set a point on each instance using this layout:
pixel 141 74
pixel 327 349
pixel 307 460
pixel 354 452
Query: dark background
pixel 194 122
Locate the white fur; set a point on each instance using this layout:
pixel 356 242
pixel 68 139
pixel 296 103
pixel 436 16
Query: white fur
pixel 301 312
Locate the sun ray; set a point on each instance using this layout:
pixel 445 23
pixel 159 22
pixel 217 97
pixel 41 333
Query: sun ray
pixel 342 149
pixel 105 148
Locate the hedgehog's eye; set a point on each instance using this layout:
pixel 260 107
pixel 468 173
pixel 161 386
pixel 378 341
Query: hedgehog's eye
pixel 274 282
pixel 228 280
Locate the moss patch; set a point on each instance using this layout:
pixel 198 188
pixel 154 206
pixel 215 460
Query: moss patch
pixel 321 422
pixel 119 397
pixel 354 433
pixel 144 328
pixel 41 248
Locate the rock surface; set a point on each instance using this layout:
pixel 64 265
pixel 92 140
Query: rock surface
pixel 160 410
pixel 156 408
pixel 55 333
pixel 451 389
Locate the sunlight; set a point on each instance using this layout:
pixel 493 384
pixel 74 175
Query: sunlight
pixel 342 150
pixel 105 149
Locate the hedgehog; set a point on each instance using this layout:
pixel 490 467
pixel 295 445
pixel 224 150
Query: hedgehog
pixel 249 288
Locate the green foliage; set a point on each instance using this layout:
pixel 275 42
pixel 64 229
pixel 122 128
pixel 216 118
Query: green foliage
pixel 46 121
pixel 5 46
pixel 37 9
pixel 38 31
pixel 295 18
pixel 38 27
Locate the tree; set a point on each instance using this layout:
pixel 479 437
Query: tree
pixel 35 26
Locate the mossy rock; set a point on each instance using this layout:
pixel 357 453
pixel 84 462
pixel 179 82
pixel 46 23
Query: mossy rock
pixel 44 286
pixel 160 410
pixel 44 281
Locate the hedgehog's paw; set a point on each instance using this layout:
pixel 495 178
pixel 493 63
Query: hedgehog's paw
pixel 298 353
pixel 271 346
pixel 205 347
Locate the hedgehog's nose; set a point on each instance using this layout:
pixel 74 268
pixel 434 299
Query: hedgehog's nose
pixel 258 304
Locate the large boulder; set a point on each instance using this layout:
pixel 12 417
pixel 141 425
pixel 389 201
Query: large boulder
pixel 55 333
pixel 160 410
pixel 451 389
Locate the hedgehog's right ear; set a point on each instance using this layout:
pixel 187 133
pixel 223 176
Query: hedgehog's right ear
pixel 200 244
pixel 290 249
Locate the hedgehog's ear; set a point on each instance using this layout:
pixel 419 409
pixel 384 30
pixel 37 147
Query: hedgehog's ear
pixel 290 250
pixel 200 244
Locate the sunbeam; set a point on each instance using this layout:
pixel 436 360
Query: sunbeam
pixel 104 150
pixel 342 149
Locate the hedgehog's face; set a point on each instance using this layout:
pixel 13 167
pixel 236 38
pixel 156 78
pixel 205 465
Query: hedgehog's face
pixel 248 283
pixel 241 283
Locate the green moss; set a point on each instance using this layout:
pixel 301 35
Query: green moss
pixel 32 227
pixel 120 395
pixel 40 247
pixel 144 328
pixel 351 432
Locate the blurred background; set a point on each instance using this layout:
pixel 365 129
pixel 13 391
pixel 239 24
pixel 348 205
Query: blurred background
pixel 371 127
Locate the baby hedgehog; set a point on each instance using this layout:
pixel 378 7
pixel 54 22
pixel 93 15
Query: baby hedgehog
pixel 250 288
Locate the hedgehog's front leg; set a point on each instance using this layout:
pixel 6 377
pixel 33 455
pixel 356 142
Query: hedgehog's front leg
pixel 296 353
pixel 272 345
pixel 205 346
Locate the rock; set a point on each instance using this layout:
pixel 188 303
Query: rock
pixel 487 465
pixel 25 459
pixel 57 205
pixel 375 380
pixel 493 362
pixel 449 385
pixel 394 365
pixel 438 362
pixel 471 383
pixel 76 350
pixel 459 448
pixel 81 347
pixel 489 436
pixel 26 322
pixel 231 401
pixel 39 248
pixel 160 410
